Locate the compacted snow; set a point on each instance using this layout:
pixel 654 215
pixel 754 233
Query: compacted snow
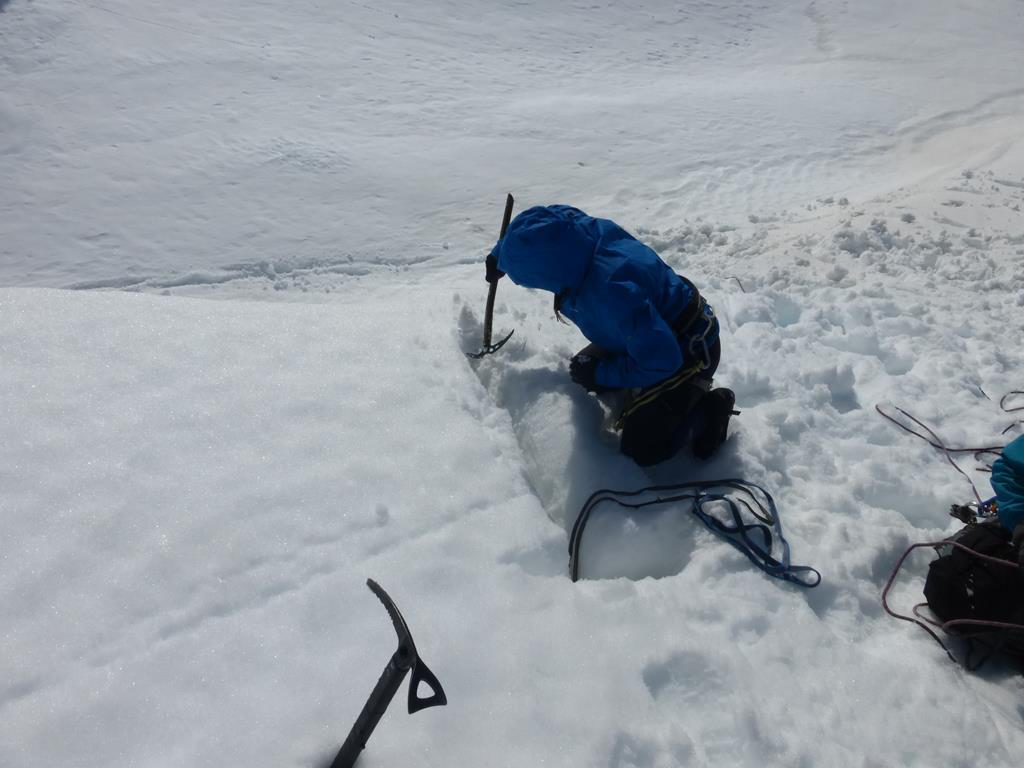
pixel 240 261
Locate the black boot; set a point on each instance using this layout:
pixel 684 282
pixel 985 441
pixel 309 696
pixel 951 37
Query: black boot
pixel 717 406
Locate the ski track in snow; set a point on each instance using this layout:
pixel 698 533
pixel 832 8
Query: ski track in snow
pixel 277 275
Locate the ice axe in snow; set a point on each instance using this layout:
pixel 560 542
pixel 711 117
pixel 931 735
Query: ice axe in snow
pixel 489 348
pixel 404 659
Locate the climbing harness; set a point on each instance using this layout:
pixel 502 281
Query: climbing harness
pixel 757 540
pixel 697 347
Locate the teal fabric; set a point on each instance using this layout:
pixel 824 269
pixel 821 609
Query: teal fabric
pixel 1008 483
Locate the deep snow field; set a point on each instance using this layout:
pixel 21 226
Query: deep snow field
pixel 241 256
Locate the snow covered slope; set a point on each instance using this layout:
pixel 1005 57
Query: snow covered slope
pixel 194 492
pixel 198 141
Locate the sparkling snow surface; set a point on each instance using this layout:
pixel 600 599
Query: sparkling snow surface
pixel 193 492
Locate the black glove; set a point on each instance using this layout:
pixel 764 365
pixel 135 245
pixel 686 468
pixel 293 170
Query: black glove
pixel 583 370
pixel 493 273
pixel 1018 542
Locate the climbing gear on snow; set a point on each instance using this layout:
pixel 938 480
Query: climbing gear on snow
pixel 976 586
pixel 757 540
pixel 404 659
pixel 972 512
pixel 489 348
pixel 976 589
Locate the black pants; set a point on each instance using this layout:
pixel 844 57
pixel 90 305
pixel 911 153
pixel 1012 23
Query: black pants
pixel 657 430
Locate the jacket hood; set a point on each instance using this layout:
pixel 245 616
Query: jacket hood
pixel 547 247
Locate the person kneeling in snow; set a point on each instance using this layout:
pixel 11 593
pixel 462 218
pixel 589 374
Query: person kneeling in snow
pixel 652 334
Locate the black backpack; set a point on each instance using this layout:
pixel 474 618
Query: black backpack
pixel 963 590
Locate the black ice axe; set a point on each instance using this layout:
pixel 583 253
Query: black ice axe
pixel 489 348
pixel 404 659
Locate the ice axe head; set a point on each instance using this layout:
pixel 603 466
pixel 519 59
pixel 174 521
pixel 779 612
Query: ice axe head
pixel 404 659
pixel 406 653
pixel 489 349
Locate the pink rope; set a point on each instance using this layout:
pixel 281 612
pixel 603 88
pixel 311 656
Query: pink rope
pixel 937 442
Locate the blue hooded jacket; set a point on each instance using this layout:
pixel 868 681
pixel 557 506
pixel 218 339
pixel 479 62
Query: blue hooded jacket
pixel 1008 483
pixel 613 287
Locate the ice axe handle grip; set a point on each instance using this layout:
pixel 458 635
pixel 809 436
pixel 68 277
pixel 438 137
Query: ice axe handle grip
pixel 388 684
pixel 489 314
